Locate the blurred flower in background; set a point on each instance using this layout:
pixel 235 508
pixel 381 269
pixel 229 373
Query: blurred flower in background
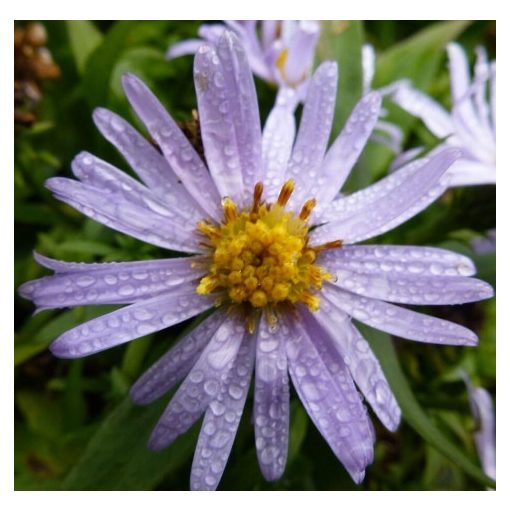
pixel 471 125
pixel 279 52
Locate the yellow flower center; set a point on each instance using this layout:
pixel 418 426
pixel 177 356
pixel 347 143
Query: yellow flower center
pixel 260 256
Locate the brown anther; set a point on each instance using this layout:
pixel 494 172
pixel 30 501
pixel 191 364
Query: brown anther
pixel 257 197
pixel 285 193
pixel 229 208
pixel 327 246
pixel 307 209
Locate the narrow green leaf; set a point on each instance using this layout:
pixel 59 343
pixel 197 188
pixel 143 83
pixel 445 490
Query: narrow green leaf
pixel 412 412
pixel 84 38
pixel 117 457
pixel 342 41
pixel 98 71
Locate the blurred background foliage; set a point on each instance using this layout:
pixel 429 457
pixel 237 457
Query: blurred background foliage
pixel 75 427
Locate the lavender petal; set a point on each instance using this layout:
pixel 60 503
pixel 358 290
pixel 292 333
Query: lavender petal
pixel 131 322
pixel 201 386
pixel 347 147
pixel 387 203
pixel 109 283
pixel 277 140
pixel 333 404
pixel 271 401
pixel 178 151
pixel 339 340
pixel 433 115
pixel 117 211
pixel 314 130
pixel 148 163
pixel 399 321
pixel 176 363
pixel 222 420
pixel 189 47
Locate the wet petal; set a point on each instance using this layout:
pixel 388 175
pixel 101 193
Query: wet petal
pixel 271 401
pixel 221 421
pixel 397 260
pixel 314 130
pixel 277 140
pixel 368 66
pixel 399 321
pixel 333 404
pixel 188 47
pixel 131 322
pixel 201 386
pixel 387 203
pixel 148 163
pixel 179 153
pixel 122 212
pixel 109 283
pixel 347 147
pixel 229 117
pixel 339 341
pixel 413 289
pixel 176 363
pixel 434 116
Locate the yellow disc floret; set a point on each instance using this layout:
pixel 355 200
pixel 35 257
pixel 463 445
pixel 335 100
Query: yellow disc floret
pixel 261 255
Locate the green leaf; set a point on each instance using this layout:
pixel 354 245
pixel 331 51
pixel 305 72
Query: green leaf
pixel 117 457
pixel 342 41
pixel 84 38
pixel 98 71
pixel 412 412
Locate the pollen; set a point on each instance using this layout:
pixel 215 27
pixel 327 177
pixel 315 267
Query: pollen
pixel 260 256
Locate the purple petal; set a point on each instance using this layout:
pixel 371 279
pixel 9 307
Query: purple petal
pixel 271 401
pixel 201 386
pixel 333 404
pixel 405 157
pixel 482 409
pixel 397 260
pixel 314 130
pixel 188 47
pixel 466 172
pixel 399 321
pixel 115 210
pixel 229 121
pixel 493 94
pixel 340 342
pixel 148 163
pixel 109 283
pixel 131 322
pixel 221 421
pixel 99 174
pixel 347 147
pixel 387 203
pixel 277 140
pixel 434 116
pixel 301 51
pixel 176 363
pixel 181 156
pixel 413 289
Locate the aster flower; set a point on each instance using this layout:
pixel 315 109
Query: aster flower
pixel 482 409
pixel 279 52
pixel 471 125
pixel 270 252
